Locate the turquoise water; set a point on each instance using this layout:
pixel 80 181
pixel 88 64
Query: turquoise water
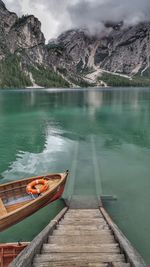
pixel 101 136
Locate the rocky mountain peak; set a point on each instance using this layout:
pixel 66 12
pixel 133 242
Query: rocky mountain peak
pixel 7 19
pixel 21 33
pixel 23 54
pixel 27 32
pixel 123 51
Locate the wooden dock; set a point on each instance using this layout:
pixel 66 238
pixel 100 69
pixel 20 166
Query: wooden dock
pixel 80 238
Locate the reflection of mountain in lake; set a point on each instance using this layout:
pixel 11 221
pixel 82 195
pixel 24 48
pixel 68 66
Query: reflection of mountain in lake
pixel 29 117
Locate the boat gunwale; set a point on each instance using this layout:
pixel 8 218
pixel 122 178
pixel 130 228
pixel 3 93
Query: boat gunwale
pixel 32 178
pixel 13 245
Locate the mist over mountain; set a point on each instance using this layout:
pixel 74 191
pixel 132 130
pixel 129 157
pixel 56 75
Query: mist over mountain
pixel 58 16
pixel 103 48
pixel 93 14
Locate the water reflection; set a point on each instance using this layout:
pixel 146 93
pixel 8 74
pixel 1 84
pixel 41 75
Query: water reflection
pixel 28 117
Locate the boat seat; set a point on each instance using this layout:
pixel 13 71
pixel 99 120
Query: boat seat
pixel 3 210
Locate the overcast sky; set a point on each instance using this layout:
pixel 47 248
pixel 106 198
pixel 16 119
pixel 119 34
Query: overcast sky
pixel 60 15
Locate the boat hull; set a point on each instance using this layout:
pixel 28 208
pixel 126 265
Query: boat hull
pixel 30 208
pixel 9 251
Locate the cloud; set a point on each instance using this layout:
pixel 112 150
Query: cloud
pixel 14 6
pixel 58 18
pixel 92 13
pixel 60 15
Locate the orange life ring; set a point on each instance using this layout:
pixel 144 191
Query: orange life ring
pixel 34 191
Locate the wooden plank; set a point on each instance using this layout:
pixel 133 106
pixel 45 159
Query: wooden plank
pixel 82 243
pixel 94 257
pixel 82 227
pixel 120 264
pixel 82 218
pixel 74 222
pixel 3 210
pixel 62 240
pixel 107 248
pixel 82 233
pixel 70 264
pixel 83 211
pixel 89 215
pixel 85 217
pixel 81 221
pixel 16 206
pixel 131 254
pixel 14 189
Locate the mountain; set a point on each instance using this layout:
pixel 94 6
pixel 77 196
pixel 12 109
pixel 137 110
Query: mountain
pixel 118 56
pixel 23 54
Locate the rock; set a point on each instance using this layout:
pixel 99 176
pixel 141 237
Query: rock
pixel 22 36
pixel 124 51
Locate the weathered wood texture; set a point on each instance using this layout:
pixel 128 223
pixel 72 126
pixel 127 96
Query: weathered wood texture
pixel 25 258
pixel 82 238
pixel 3 210
pixel 131 254
pixel 80 264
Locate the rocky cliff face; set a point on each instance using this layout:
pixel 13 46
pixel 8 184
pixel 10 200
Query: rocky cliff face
pixel 123 51
pixel 26 39
pixel 21 35
pixel 23 53
pixel 7 20
pixel 75 55
pixel 129 50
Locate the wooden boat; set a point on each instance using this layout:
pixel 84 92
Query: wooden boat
pixel 9 251
pixel 16 204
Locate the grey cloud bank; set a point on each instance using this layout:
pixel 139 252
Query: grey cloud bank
pixel 60 15
pixel 92 14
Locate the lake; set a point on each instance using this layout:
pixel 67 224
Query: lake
pixel 101 135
